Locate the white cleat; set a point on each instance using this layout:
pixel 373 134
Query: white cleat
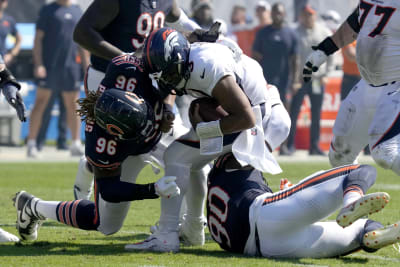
pixel 160 242
pixel 192 231
pixel 382 237
pixel 28 220
pixel 367 204
pixel 7 237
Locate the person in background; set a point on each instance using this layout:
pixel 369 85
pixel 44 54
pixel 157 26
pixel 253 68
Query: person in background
pixel 310 32
pixel 10 88
pixel 54 55
pixel 202 13
pixel 351 75
pixel 238 18
pixel 298 6
pixel 62 128
pixel 263 14
pixel 276 49
pixel 7 26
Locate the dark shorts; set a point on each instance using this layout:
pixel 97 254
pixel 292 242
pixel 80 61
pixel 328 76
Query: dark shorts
pixel 61 80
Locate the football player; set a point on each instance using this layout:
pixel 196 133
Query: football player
pixel 111 28
pixel 237 83
pixel 245 216
pixel 370 114
pixel 121 123
pixel 10 88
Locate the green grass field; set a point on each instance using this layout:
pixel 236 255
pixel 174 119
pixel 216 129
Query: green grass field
pixel 59 245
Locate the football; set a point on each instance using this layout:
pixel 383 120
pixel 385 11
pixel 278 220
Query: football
pixel 209 109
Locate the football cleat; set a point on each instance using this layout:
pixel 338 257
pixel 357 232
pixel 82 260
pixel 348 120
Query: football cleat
pixel 382 237
pixel 160 242
pixel 28 220
pixel 7 237
pixel 367 204
pixel 191 231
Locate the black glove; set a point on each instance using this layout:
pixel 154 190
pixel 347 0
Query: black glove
pixel 209 36
pixel 14 98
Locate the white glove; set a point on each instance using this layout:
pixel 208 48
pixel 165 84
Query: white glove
pixel 166 187
pixel 313 62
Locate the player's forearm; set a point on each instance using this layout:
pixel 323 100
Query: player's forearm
pixel 84 54
pixel 234 123
pixel 344 35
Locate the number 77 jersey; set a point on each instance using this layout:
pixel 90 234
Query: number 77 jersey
pixel 378 42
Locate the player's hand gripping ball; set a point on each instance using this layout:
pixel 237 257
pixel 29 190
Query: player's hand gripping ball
pixel 205 109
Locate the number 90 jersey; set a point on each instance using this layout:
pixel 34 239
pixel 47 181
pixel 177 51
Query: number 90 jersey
pixel 378 42
pixel 104 150
pixel 230 195
pixel 134 22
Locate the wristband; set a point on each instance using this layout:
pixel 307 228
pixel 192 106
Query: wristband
pixel 328 46
pixel 209 129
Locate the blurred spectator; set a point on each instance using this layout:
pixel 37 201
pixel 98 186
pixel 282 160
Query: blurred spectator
pixel 332 19
pixel 7 26
pixel 351 75
pixel 202 13
pixel 238 18
pixel 263 14
pixel 298 7
pixel 61 123
pixel 276 49
pixel 244 35
pixel 310 33
pixel 55 67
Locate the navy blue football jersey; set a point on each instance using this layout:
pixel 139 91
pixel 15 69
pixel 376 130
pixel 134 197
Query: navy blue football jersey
pixel 134 22
pixel 230 194
pixel 104 150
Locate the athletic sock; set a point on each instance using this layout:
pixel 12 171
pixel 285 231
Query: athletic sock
pixel 351 194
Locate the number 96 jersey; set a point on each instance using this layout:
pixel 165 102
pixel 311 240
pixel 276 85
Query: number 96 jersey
pixel 378 42
pixel 104 150
pixel 230 195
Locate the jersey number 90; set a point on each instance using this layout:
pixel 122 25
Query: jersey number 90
pixel 146 24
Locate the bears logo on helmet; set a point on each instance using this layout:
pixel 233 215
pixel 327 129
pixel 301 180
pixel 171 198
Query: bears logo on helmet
pixel 123 114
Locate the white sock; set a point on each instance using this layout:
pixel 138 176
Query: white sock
pixel 170 208
pixel 350 197
pixel 31 143
pixel 197 193
pixel 47 209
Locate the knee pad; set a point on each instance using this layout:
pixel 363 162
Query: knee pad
pixel 387 154
pixel 340 153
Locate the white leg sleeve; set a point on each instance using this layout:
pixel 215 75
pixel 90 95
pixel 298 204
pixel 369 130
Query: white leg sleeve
pixel 197 192
pixel 112 215
pixel 84 181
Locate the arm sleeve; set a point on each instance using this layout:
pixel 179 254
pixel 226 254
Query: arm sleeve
pixel 353 22
pixel 113 190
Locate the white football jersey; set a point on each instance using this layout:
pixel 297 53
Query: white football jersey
pixel 378 43
pixel 209 62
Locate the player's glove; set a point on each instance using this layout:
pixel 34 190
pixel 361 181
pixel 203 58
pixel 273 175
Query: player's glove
pixel 210 36
pixel 14 98
pixel 166 187
pixel 320 54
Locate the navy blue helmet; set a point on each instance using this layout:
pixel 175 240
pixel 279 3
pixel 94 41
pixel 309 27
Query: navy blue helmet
pixel 124 114
pixel 166 57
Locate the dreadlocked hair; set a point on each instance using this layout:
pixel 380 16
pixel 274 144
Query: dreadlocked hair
pixel 86 106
